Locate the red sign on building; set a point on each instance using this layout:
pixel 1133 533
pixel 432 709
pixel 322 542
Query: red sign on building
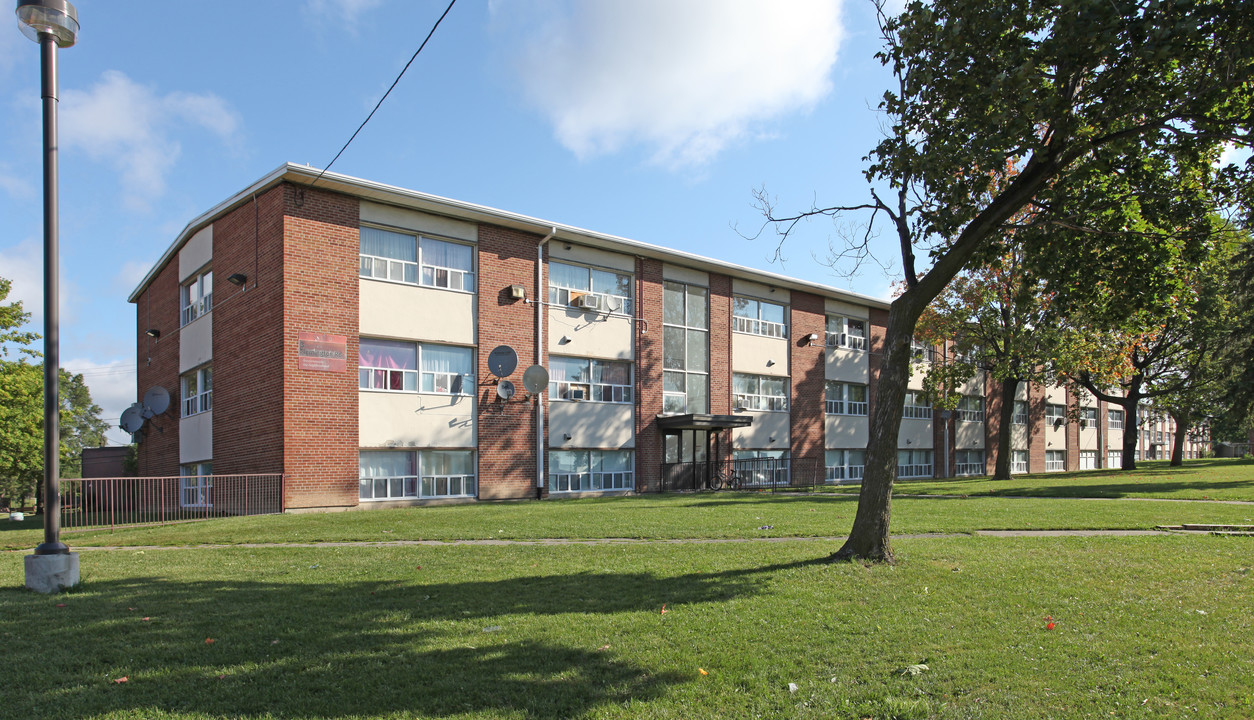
pixel 319 351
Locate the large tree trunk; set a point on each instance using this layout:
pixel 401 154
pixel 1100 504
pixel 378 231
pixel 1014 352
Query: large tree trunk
pixel 1131 424
pixel 1177 443
pixel 869 538
pixel 1005 430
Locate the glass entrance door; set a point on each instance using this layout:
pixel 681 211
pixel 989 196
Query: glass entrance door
pixel 685 460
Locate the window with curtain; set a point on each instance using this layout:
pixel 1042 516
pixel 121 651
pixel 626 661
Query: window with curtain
pixel 568 282
pixel 416 259
pixel 387 365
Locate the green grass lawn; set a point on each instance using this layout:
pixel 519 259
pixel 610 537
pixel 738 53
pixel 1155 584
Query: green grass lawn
pixel 1145 627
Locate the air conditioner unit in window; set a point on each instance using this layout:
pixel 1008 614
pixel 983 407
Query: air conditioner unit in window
pixel 576 395
pixel 587 302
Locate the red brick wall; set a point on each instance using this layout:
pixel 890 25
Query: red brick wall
pixel 507 430
pixel 158 361
pixel 993 401
pixel 878 336
pixel 649 375
pixel 320 294
pixel 248 338
pixel 1036 428
pixel 807 366
pixel 720 359
pixel 1073 438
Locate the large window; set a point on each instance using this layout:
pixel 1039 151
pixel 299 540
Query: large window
pixel 846 332
pixel 1116 419
pixel 585 379
pixel 590 288
pixel 416 259
pixel 971 408
pixel 1088 459
pixel 590 470
pixel 921 351
pixel 399 366
pixel 844 464
pixel 1021 412
pixel 197 391
pixel 1055 460
pixel 1055 413
pixel 917 406
pixel 1088 417
pixel 196 484
pixel 914 463
pixel 969 462
pixel 195 297
pixel 759 317
pixel 845 398
pixel 685 349
pixel 1018 461
pixel 760 392
pixel 397 475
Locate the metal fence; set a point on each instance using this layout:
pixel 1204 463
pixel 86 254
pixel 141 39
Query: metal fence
pixel 114 502
pixel 759 474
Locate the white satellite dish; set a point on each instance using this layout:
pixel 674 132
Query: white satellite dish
pixel 132 418
pixel 505 390
pixel 156 400
pixel 536 379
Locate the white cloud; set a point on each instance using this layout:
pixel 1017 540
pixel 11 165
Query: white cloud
pixel 346 12
pixel 128 276
pixel 683 79
pixel 23 264
pixel 134 129
pixel 112 386
pixel 18 188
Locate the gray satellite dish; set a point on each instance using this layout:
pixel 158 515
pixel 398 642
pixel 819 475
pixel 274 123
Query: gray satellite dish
pixel 502 361
pixel 157 400
pixel 132 418
pixel 505 390
pixel 536 379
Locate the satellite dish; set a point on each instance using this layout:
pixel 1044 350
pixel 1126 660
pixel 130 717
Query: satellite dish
pixel 505 390
pixel 132 418
pixel 157 400
pixel 536 379
pixel 502 361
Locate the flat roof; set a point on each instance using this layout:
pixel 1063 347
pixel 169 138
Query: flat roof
pixel 436 205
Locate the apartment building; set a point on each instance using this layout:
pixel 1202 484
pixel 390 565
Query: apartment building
pixel 374 345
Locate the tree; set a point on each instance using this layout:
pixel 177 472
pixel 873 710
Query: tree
pixel 21 405
pixel 1064 92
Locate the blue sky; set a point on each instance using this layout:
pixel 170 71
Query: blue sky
pixel 650 119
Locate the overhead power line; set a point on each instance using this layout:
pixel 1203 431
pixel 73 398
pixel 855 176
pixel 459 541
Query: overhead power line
pixel 385 95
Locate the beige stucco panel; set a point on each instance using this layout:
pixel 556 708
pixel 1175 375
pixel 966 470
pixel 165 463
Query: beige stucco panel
pixel 974 385
pixel 1088 439
pixel 1021 392
pixel 418 222
pixel 590 334
pixel 415 420
pixel 584 255
pixel 1114 439
pixel 918 432
pixel 591 425
pixel 196 438
pixel 196 343
pixel 409 312
pixel 685 275
pixel 968 435
pixel 843 431
pixel 836 307
pixel 759 355
pixel 1019 437
pixel 1055 439
pixel 918 371
pixel 1055 394
pixel 779 296
pixel 196 253
pixel 846 365
pixel 766 425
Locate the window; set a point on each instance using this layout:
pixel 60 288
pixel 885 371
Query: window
pixel 921 351
pixel 1088 417
pixel 971 408
pixel 590 470
pixel 844 464
pixel 845 398
pixel 397 475
pixel 759 317
pixel 969 462
pixel 914 463
pixel 197 391
pixel 399 366
pixel 1088 459
pixel 416 259
pixel 917 406
pixel 1114 458
pixel 846 332
pixel 196 485
pixel 762 468
pixel 1115 418
pixel 685 349
pixel 1021 412
pixel 591 288
pixel 195 297
pixel 585 379
pixel 1055 413
pixel 1018 461
pixel 1055 460
pixel 760 392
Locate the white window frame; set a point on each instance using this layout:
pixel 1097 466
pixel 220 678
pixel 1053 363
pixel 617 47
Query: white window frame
pixel 916 406
pixel 840 334
pixel 1020 418
pixel 915 469
pixel 396 269
pixel 1055 412
pixel 840 404
pixel 755 325
pixel 1055 460
pixel 587 480
pixel 196 485
pixel 412 378
pixel 1018 462
pixel 921 352
pixel 673 401
pixel 759 401
pixel 970 462
pixel 195 297
pixel 610 303
pixel 200 399
pixel 1114 458
pixel 592 391
pixel 421 481
pixel 1088 459
pixel 843 470
pixel 971 408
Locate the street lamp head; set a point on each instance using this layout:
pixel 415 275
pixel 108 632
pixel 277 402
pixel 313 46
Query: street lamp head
pixel 55 17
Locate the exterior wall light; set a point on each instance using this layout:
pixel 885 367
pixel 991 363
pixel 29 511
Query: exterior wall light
pixel 237 279
pixel 153 333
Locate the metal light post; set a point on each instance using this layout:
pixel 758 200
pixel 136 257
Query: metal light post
pixel 53 24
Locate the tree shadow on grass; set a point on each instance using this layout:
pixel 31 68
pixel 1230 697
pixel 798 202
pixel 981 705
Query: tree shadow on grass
pixel 338 649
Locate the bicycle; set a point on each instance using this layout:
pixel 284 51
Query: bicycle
pixel 726 477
